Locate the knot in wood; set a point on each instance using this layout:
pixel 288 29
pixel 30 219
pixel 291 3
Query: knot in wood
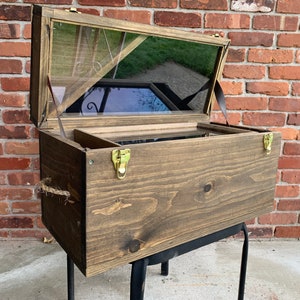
pixel 207 188
pixel 134 246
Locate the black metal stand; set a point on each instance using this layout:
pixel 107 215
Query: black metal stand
pixel 139 267
pixel 70 275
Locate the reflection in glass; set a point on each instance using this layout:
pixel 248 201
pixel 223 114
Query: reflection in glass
pixel 168 71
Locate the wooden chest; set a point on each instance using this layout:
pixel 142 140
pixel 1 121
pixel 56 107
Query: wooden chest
pixel 130 164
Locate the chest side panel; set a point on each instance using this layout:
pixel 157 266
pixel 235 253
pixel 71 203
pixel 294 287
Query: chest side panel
pixel 62 169
pixel 175 192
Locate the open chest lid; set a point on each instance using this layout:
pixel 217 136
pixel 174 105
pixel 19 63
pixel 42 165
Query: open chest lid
pixel 84 65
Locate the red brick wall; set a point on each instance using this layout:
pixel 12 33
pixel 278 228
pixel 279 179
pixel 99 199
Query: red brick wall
pixel 261 81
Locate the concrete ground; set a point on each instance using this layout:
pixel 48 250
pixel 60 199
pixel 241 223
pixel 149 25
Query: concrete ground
pixel 33 270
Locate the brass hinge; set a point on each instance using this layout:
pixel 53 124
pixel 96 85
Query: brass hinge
pixel 120 159
pixel 268 140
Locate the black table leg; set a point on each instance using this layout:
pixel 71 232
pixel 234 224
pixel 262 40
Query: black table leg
pixel 164 269
pixel 243 263
pixel 138 277
pixel 70 274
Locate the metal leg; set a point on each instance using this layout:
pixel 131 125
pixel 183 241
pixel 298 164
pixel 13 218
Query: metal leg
pixel 70 274
pixel 164 269
pixel 138 277
pixel 243 263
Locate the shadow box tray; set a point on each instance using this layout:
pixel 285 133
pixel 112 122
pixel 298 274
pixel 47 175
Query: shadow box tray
pixel 130 164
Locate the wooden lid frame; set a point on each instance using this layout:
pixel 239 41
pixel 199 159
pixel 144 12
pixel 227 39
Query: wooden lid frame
pixel 43 21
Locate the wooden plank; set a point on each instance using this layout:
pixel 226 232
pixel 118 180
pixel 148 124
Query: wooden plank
pixel 39 95
pixel 63 162
pixel 75 121
pixel 122 25
pixel 87 140
pixel 174 192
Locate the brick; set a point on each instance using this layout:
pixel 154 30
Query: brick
pixel 10 66
pixel 14 132
pixel 292 177
pixel 4 234
pixel 36 234
pixel 14 163
pixel 246 103
pixel 228 21
pixel 177 19
pixel 12 100
pixel 263 119
pixel 287 133
pixel 287 232
pixel 288 6
pixel 260 232
pixel 295 88
pixel 243 71
pixel 16 116
pixel 285 72
pixel 253 5
pixel 247 38
pixel 27 67
pixel 268 88
pixel 276 23
pixel 288 205
pixel 236 55
pixel 154 3
pixel 3 179
pixel 277 56
pixel 13 84
pixel 16 222
pixel 22 148
pixel 39 222
pixel 251 222
pixel 204 4
pixel 288 40
pixel 57 2
pixel 284 104
pixel 278 218
pixel 16 193
pixel 4 208
pixel 233 118
pixel 13 49
pixel 232 87
pixel 103 2
pixel 287 191
pixel 23 178
pixel 90 11
pixel 298 56
pixel 35 164
pixel 9 31
pixel 27 31
pixel 141 16
pixel 289 162
pixel 291 148
pixel 28 207
pixel 293 119
pixel 15 12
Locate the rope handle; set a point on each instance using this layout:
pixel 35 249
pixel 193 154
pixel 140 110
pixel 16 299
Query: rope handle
pixel 44 186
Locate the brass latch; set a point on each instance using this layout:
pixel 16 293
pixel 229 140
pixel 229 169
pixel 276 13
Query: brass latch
pixel 120 158
pixel 268 139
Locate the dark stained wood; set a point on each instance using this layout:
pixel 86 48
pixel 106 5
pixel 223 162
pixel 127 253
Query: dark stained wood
pixel 174 192
pixel 64 163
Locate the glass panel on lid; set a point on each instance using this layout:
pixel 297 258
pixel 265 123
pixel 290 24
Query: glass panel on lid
pixel 103 71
